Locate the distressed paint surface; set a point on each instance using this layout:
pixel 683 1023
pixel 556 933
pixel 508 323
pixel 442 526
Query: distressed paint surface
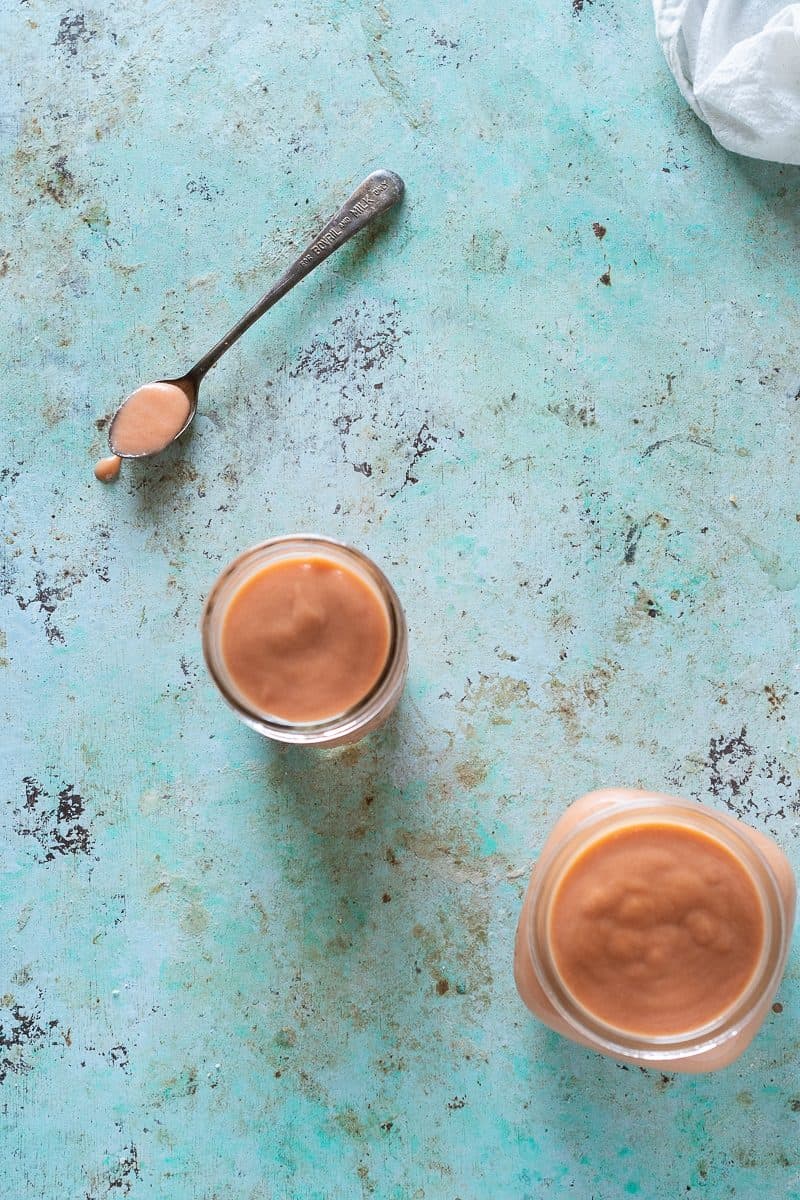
pixel 232 970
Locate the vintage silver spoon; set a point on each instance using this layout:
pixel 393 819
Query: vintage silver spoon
pixel 153 416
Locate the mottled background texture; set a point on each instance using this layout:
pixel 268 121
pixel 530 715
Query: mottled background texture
pixel 556 397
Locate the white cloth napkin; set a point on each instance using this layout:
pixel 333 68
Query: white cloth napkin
pixel 737 62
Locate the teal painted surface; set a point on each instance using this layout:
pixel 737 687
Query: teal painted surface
pixel 234 971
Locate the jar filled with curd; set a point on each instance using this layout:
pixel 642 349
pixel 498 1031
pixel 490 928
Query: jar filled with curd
pixel 306 640
pixel 655 930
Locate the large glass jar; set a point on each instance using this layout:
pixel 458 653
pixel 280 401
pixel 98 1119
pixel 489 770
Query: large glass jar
pixel 634 913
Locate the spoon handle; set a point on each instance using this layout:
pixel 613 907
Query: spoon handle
pixel 375 195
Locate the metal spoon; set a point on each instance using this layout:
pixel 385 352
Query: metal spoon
pixel 378 192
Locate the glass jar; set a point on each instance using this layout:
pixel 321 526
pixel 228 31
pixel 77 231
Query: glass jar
pixel 373 709
pixel 587 822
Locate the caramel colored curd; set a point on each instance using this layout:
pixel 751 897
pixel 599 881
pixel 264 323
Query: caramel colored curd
pixel 150 418
pixel 305 639
pixel 146 423
pixel 655 930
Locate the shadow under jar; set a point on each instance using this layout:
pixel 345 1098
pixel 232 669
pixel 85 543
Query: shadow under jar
pixel 306 639
pixel 655 930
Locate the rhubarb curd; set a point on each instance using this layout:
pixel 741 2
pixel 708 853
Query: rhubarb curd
pixel 655 930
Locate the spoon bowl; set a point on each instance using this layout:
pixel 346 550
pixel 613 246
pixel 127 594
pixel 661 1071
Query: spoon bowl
pixel 153 417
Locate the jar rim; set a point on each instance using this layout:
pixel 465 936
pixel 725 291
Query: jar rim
pixel 656 809
pixel 351 722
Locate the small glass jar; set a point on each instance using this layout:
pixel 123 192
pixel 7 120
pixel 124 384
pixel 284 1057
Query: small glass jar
pixel 373 709
pixel 588 821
